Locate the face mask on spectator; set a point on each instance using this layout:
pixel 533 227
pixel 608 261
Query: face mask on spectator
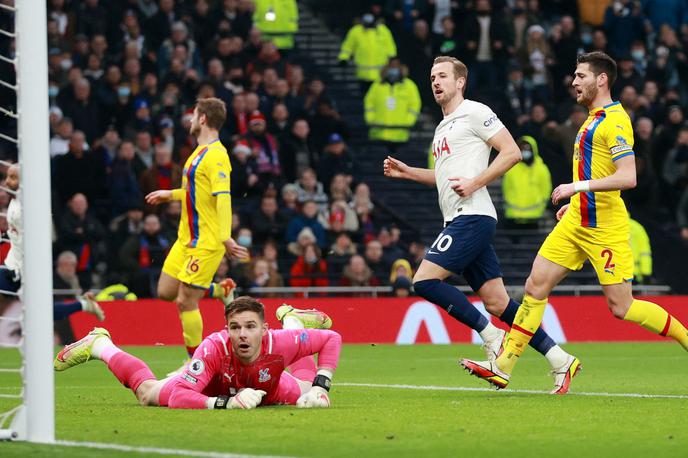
pixel 123 91
pixel 638 54
pixel 53 91
pixel 586 38
pixel 527 154
pixel 244 240
pixel 311 259
pixel 66 64
pixel 393 75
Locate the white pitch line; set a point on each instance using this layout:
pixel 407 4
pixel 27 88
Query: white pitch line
pixel 467 388
pixel 159 451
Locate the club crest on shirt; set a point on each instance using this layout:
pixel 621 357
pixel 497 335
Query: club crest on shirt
pixel 621 140
pixel 222 174
pixel 264 375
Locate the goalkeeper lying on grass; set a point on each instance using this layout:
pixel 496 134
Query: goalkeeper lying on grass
pixel 241 367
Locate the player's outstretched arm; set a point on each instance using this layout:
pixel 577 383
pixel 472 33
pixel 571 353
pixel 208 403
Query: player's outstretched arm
pixel 162 196
pixel 623 178
pixel 394 168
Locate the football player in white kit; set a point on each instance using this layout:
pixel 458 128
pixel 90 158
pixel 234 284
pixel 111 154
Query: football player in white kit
pixel 12 268
pixel 461 148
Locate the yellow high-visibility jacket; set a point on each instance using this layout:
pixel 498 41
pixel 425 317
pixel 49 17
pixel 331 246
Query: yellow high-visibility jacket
pixel 370 48
pixel 391 110
pixel 278 21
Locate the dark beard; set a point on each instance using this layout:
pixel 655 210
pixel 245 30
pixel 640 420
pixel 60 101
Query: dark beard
pixel 195 130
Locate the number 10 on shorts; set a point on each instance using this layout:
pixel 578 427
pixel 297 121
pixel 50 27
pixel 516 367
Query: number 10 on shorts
pixel 442 242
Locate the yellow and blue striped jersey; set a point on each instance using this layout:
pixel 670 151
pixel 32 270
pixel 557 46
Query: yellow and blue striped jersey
pixel 206 174
pixel 606 136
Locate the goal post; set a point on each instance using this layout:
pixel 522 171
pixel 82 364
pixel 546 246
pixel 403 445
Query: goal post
pixel 35 422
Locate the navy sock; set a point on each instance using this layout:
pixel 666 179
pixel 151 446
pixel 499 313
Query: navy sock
pixel 541 341
pixel 62 310
pixel 453 301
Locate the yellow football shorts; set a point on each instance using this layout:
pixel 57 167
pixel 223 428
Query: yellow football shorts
pixel 609 251
pixel 193 266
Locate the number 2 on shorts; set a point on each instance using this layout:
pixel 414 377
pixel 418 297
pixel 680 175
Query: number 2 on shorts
pixel 609 254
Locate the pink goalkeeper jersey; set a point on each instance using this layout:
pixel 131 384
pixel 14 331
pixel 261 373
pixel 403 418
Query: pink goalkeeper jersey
pixel 215 371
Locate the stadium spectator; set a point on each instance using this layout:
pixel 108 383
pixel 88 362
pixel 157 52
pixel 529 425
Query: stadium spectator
pixel 310 189
pixel 81 233
pixel 65 276
pixel 142 256
pixel 339 187
pixel 84 109
pixel 624 23
pixel 676 167
pixel 401 287
pixel 307 218
pixel 645 191
pixel 325 122
pixel 129 223
pixel 170 220
pixel 416 49
pixel 79 171
pixel 642 252
pixel 335 159
pixel 370 44
pixel 296 151
pixel 267 222
pixel 488 47
pixel 124 180
pixel 627 75
pixel 278 124
pixel 244 180
pixel 144 148
pixel 357 273
pixel 290 201
pixel 264 152
pixel 304 238
pixel 309 269
pixel 340 251
pixel 392 105
pixel 164 174
pixel 536 58
pixel 373 257
pixel 338 218
pixel 59 143
pixel 263 275
pixel 390 248
pixel 526 187
pixel 400 268
pixel 446 41
pixel 107 146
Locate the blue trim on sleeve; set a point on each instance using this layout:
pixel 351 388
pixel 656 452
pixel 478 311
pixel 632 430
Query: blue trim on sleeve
pixel 622 155
pixel 222 192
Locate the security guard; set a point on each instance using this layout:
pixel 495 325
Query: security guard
pixel 527 186
pixel 371 45
pixel 392 105
pixel 278 21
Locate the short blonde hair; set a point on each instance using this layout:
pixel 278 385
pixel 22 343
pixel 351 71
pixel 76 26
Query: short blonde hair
pixel 460 69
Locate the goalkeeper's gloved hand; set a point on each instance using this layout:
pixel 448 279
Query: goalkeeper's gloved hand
pixel 315 397
pixel 247 398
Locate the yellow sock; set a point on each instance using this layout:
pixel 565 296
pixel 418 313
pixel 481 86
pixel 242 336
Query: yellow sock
pixel 526 322
pixel 215 291
pixel 655 319
pixel 192 329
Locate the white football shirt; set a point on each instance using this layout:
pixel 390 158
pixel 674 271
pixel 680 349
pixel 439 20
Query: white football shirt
pixel 461 150
pixel 14 232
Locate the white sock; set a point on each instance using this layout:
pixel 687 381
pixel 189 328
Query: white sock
pixel 101 344
pixel 490 332
pixel 556 357
pixel 291 322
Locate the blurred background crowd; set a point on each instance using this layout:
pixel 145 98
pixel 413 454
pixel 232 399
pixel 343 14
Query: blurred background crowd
pixel 124 77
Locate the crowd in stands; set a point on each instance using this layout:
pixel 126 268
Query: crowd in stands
pixel 124 77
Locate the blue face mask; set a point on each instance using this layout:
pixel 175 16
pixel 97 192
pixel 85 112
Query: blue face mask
pixel 123 91
pixel 244 240
pixel 638 54
pixel 586 38
pixel 53 91
pixel 527 154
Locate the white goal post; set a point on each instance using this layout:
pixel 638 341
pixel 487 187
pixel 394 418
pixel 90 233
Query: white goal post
pixel 35 419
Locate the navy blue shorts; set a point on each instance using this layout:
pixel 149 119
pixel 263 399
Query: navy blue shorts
pixel 465 248
pixel 9 280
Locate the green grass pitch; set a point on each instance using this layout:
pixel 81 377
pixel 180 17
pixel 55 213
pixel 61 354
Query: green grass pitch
pixel 394 422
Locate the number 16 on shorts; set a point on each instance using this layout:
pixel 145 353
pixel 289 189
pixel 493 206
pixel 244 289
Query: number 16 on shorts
pixel 192 266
